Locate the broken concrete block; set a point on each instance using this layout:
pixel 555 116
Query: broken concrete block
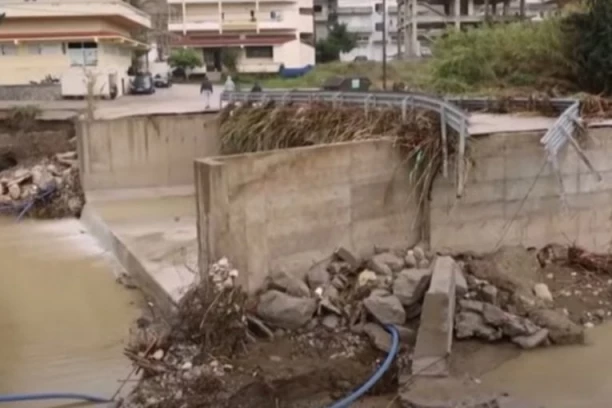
pixel 561 329
pixel 435 335
pixel 386 263
pixel 289 284
pixel 317 275
pixel 285 311
pixel 410 285
pixel 471 324
pixel 379 337
pixel 541 291
pixel 366 277
pixel 385 309
pixel 348 257
pixel 460 282
pixel 535 340
pixel 410 259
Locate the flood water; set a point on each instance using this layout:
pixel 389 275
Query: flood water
pixel 63 319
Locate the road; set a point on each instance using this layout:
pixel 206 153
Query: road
pixel 181 98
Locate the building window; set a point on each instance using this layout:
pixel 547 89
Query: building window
pixel 318 8
pixel 378 7
pixel 276 15
pixel 378 26
pixel 259 52
pixel 253 15
pixel 83 54
pixel 363 38
pixel 44 49
pixel 8 49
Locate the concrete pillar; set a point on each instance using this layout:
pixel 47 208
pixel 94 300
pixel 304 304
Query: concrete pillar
pixel 470 7
pixel 220 16
pixel 407 27
pixel 184 12
pixel 414 29
pixel 457 14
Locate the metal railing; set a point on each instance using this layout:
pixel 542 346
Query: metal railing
pixel 559 135
pixel 450 115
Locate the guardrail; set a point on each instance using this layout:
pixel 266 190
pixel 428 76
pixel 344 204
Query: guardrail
pixel 559 135
pixel 450 115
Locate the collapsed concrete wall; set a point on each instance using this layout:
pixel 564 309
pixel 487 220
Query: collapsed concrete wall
pixel 144 151
pixel 513 196
pixel 288 209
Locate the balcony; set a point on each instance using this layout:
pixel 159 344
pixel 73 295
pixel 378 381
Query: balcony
pixel 359 27
pixel 354 10
pixel 232 23
pixel 194 24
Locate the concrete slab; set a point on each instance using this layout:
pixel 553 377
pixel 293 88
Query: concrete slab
pixel 435 335
pixel 153 237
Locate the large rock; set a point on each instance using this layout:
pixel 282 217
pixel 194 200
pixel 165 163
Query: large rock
pixel 535 340
pixel 290 284
pixel 561 330
pixel 410 285
pixel 285 311
pixel 385 309
pixel 510 324
pixel 386 263
pixel 380 338
pixel 471 324
pixel 317 276
pixel 348 257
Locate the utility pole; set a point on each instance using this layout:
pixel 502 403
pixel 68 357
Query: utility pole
pixel 384 41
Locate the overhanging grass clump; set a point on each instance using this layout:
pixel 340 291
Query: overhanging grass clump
pixel 247 129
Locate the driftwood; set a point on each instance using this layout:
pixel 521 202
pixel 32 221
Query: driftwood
pixel 590 260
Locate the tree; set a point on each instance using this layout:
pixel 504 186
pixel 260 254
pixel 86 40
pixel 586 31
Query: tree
pixel 338 40
pixel 185 59
pixel 229 59
pixel 591 46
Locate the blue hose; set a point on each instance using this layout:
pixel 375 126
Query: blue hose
pixel 50 396
pixel 347 401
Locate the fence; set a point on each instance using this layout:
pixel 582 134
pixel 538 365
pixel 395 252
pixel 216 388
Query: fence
pixel 450 115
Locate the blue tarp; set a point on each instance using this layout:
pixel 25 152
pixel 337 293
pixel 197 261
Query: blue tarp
pixel 294 72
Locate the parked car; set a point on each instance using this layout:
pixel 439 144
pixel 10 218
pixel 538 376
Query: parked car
pixel 162 80
pixel 142 84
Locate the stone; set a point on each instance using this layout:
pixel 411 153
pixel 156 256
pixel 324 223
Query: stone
pixel 285 311
pixel 340 282
pixel 488 293
pixel 14 191
pixel 158 355
pixel 330 292
pixel 410 285
pixel 470 324
pixel 386 263
pixel 331 321
pixel 472 306
pixel 259 327
pixel 419 253
pixel 410 260
pixel 561 329
pixel 380 338
pixel 460 283
pixel 589 325
pixel 435 336
pixel 289 284
pixel 413 311
pixel 541 291
pixel 510 324
pixel 406 334
pixel 425 392
pixel 317 275
pixel 493 315
pixel 348 257
pixel 535 340
pixel 42 179
pixel 366 277
pixel 423 263
pixel 385 309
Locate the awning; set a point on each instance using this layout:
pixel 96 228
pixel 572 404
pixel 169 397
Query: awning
pixel 70 36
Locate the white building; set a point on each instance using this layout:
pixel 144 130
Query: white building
pixel 265 33
pixel 432 18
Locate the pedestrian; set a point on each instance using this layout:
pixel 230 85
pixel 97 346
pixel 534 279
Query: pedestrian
pixel 229 85
pixel 206 90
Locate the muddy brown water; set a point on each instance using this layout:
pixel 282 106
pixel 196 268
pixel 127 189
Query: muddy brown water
pixel 63 318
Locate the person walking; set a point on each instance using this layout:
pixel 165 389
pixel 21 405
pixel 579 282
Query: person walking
pixel 206 89
pixel 229 85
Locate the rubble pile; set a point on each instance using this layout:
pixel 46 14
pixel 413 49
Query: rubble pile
pixel 46 188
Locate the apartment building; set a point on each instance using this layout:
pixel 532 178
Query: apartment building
pixel 431 19
pixel 62 38
pixel 265 34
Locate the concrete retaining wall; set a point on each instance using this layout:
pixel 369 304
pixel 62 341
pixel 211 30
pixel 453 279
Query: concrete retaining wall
pixel 512 197
pixel 144 151
pixel 289 209
pixel 49 92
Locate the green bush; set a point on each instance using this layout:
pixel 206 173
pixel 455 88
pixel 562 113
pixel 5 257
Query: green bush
pixel 524 54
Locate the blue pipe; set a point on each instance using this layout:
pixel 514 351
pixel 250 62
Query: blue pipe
pixel 50 396
pixel 347 401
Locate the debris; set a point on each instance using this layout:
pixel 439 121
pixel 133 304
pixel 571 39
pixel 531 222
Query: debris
pixel 386 263
pixel 470 324
pixel 541 290
pixel 410 285
pixel 317 275
pixel 379 337
pixel 532 341
pixel 331 321
pixel 348 257
pixel 366 277
pixel 385 309
pixel 561 329
pixel 460 283
pixel 410 259
pixel 285 311
pixel 289 284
